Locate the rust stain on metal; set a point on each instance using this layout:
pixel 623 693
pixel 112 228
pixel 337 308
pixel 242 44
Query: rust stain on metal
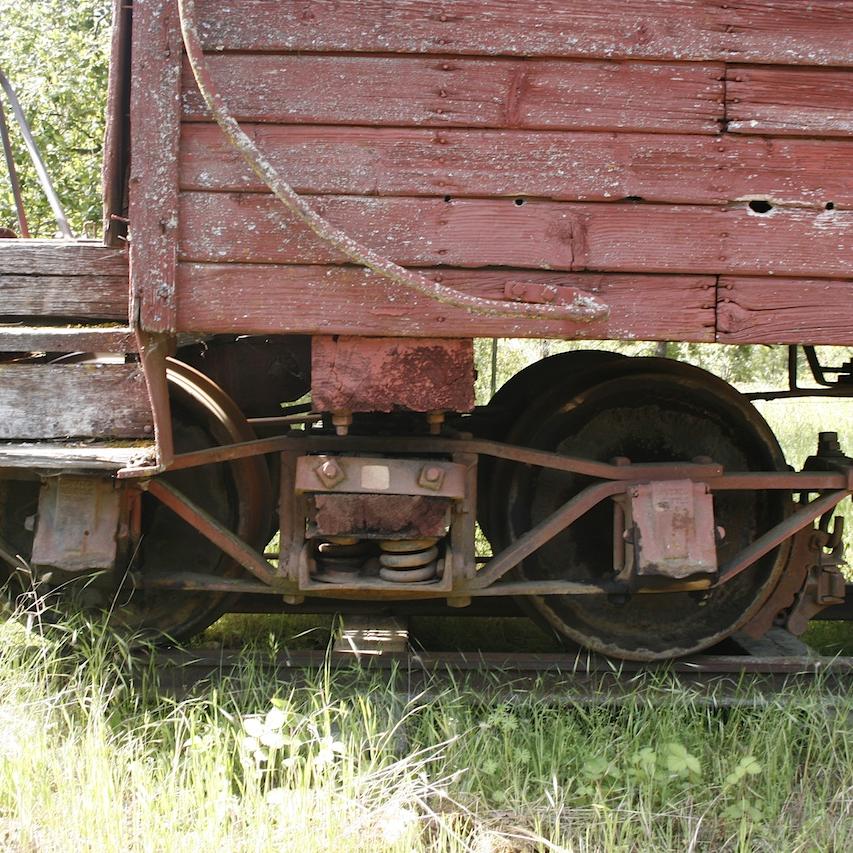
pixel 381 516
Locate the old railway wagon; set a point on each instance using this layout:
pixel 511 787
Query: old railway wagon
pixel 335 198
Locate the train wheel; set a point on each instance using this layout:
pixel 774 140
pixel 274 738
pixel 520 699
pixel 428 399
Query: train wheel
pixel 658 411
pixel 238 494
pixel 517 403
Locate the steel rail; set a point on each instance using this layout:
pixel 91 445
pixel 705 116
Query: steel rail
pixel 566 679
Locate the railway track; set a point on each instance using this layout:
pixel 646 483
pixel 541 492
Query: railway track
pixel 777 668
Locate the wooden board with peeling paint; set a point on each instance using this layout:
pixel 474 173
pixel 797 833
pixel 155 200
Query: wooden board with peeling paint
pixel 647 150
pixel 785 32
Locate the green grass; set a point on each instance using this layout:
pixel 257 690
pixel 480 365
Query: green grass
pixel 93 756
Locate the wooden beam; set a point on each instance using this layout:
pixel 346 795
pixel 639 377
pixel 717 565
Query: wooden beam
pixel 788 32
pixel 419 91
pixel 546 235
pixel 71 456
pixel 113 339
pixel 557 165
pixel 60 257
pixel 798 101
pixel 40 401
pixel 155 118
pixel 785 311
pixel 349 300
pixel 87 297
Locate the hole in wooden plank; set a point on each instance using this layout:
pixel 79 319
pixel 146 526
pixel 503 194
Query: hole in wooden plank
pixel 634 198
pixel 830 205
pixel 448 198
pixel 520 202
pixel 760 205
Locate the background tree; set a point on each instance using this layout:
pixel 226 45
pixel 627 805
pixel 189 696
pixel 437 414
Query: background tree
pixel 55 53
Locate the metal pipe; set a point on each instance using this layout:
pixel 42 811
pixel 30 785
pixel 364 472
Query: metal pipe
pixel 35 156
pixel 23 225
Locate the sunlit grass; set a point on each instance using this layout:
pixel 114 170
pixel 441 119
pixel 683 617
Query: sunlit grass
pixel 94 756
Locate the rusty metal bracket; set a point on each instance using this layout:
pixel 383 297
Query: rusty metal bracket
pixel 380 475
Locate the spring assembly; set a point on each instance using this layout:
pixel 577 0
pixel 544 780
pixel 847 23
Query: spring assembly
pixel 408 560
pixel 340 559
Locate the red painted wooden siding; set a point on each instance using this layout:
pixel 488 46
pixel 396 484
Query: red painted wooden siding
pixel 611 146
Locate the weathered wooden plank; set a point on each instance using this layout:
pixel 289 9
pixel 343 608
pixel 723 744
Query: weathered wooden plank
pixel 79 457
pixel 91 297
pixel 155 111
pixel 405 91
pixel 349 300
pixel 761 31
pixel 568 166
pixel 60 257
pixel 799 101
pixel 537 234
pixel 785 311
pixel 110 339
pixel 70 400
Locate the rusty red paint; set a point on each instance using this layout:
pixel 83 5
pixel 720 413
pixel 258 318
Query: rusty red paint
pixel 380 516
pixel 392 374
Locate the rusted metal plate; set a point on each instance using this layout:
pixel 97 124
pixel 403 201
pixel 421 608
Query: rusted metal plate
pixel 786 32
pixel 378 475
pixel 659 167
pixel 799 101
pixel 674 531
pixel 392 374
pixel 379 516
pixel 425 91
pixel 78 521
pixel 71 400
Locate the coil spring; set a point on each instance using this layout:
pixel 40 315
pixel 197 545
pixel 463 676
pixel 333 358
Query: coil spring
pixel 408 560
pixel 341 558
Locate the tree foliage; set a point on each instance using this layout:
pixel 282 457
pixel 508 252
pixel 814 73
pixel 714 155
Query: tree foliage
pixel 55 53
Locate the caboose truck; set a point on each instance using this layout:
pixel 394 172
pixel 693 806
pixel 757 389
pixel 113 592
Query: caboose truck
pixel 336 198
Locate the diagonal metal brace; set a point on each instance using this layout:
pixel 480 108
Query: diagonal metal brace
pixel 212 529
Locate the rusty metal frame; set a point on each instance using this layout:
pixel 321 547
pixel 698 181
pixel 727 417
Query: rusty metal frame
pixel 615 480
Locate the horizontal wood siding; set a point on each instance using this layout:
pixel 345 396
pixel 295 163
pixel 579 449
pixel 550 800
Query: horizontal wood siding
pixel 653 152
pixel 69 401
pixel 57 278
pixel 349 300
pixel 442 92
pixel 537 234
pixel 569 166
pixel 790 32
pixel 797 101
pixel 791 311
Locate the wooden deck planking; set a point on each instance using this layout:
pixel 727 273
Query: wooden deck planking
pixel 426 232
pixel 46 401
pixel 789 32
pixel 350 300
pixel 417 91
pixel 85 297
pixel 60 257
pixel 797 101
pixel 557 165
